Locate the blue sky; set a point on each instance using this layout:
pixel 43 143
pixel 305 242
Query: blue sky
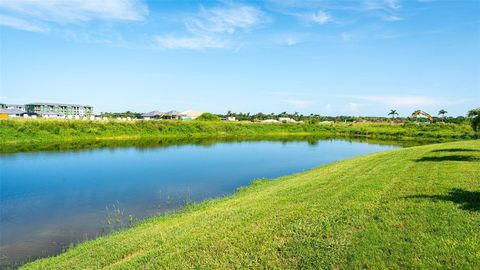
pixel 326 57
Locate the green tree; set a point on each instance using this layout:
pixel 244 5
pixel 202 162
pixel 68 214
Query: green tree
pixel 208 117
pixel 442 113
pixel 393 113
pixel 474 116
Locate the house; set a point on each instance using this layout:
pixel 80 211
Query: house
pixel 16 107
pixel 189 115
pixel 153 114
pixel 11 113
pixel 49 109
pixel 171 115
pixel 161 115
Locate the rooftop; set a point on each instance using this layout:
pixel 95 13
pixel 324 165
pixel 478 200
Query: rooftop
pixel 172 112
pixel 11 111
pixel 57 104
pixel 153 114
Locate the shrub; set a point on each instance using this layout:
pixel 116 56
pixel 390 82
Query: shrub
pixel 208 117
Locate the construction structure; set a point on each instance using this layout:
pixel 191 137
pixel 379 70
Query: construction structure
pixel 416 113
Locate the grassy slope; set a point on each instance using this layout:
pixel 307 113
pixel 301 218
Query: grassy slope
pixel 21 131
pixel 410 208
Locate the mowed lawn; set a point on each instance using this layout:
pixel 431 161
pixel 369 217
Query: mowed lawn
pixel 410 208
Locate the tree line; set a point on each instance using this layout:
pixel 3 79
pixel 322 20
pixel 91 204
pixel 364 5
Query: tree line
pixel 473 116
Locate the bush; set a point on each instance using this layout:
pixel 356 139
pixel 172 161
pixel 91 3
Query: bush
pixel 208 117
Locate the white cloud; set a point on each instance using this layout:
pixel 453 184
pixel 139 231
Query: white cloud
pixel 392 4
pixel 22 24
pixel 392 18
pixel 386 10
pixel 225 19
pixel 381 4
pixel 321 17
pixel 30 15
pixel 195 42
pixel 214 27
pixel 289 39
pixel 409 100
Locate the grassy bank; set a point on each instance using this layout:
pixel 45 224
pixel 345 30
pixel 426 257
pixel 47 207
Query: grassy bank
pixel 415 208
pixel 37 131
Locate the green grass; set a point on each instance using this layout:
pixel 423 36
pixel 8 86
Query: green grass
pixel 22 131
pixel 413 208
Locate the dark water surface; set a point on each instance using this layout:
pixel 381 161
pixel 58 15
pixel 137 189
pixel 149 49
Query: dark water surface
pixel 49 200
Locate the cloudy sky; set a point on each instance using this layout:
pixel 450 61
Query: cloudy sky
pixel 327 57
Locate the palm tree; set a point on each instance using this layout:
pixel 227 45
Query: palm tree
pixel 474 116
pixel 393 113
pixel 442 113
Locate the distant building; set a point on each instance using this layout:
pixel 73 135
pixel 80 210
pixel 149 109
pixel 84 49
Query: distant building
pixel 16 107
pixel 153 114
pixel 189 115
pixel 161 115
pixel 52 114
pixel 286 119
pixel 171 115
pixel 11 113
pixel 58 109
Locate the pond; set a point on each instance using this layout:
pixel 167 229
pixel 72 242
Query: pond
pixel 52 199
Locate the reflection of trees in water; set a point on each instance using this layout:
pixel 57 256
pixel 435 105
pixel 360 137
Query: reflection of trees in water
pixel 147 143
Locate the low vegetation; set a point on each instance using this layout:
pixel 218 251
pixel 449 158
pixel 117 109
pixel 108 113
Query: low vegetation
pixel 208 117
pixel 474 116
pixel 413 208
pixel 23 131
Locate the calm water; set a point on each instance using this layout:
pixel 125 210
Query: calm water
pixel 52 199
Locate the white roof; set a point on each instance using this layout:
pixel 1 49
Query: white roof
pixel 270 121
pixel 12 111
pixel 191 113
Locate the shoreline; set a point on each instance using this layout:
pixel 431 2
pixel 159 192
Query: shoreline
pixel 168 140
pixel 16 135
pixel 207 223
